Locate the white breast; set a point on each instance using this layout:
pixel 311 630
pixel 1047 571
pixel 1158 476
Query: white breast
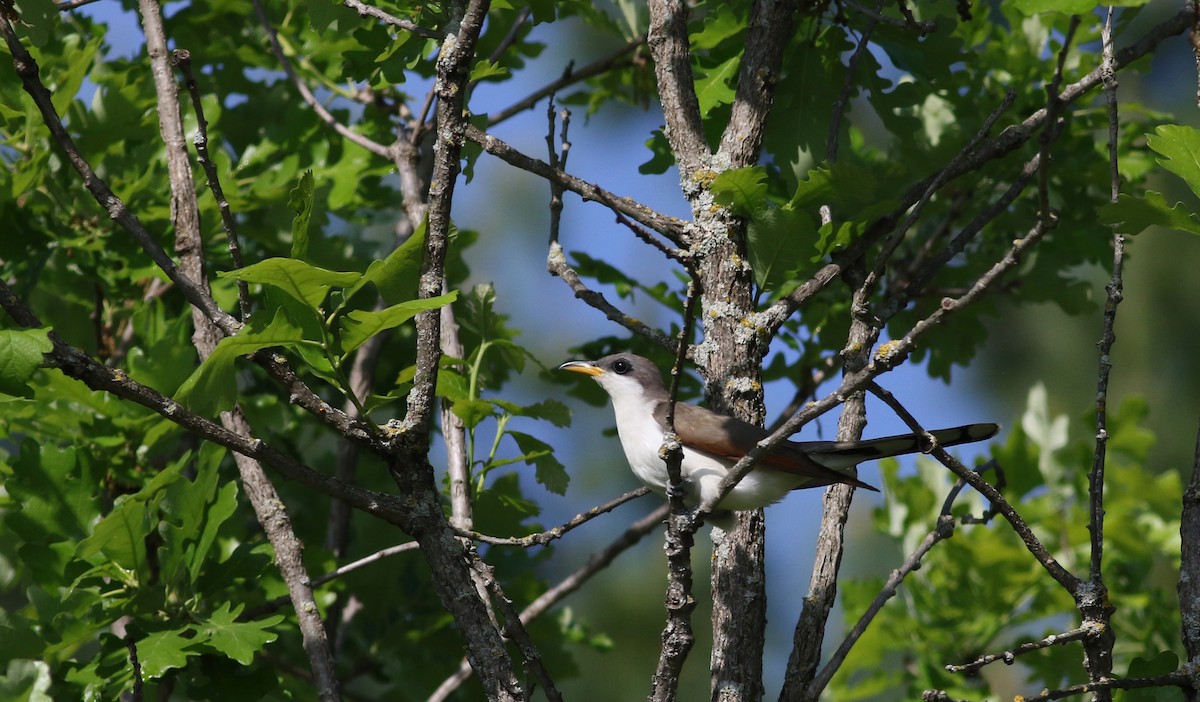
pixel 642 437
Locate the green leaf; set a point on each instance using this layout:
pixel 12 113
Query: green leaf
pixel 121 535
pixel 484 69
pixel 713 85
pixel 782 247
pixel 472 412
pixel 194 512
pixel 396 276
pixel 1069 7
pixel 21 354
pixel 552 411
pixel 301 202
pixel 299 280
pixel 549 472
pixel 240 641
pixel 54 492
pixel 212 387
pixel 1180 147
pixel 743 190
pixel 720 24
pixel 26 681
pixel 163 650
pixel 1132 215
pixel 360 325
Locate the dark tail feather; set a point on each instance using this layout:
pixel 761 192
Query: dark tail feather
pixel 838 454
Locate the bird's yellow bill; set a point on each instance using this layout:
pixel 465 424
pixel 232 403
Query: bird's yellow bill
pixel 582 367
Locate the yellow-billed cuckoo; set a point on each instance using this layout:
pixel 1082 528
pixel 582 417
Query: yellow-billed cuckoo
pixel 713 442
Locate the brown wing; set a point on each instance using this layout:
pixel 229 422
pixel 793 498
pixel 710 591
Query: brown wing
pixel 731 438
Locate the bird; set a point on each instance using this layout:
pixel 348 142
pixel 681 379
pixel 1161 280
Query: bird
pixel 712 443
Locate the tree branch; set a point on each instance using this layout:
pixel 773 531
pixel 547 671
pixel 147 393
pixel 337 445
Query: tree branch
pixel 1009 657
pixel 598 562
pixel 307 95
pixel 365 10
pixel 671 228
pixel 268 506
pixel 677 635
pixel 668 40
pixel 770 29
pixel 544 538
pixel 616 59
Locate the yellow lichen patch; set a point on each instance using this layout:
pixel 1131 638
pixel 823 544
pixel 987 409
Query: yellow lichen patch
pixel 887 350
pixel 704 176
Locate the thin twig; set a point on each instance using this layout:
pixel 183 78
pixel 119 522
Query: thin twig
pixel 515 629
pixel 673 229
pixel 72 4
pixel 839 105
pixel 1176 679
pixel 307 95
pixel 365 10
pixel 543 538
pixel 1049 134
pixel 556 264
pixel 182 59
pixel 941 532
pixel 1010 656
pixel 570 76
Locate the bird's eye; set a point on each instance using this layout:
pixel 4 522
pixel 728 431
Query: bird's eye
pixel 621 366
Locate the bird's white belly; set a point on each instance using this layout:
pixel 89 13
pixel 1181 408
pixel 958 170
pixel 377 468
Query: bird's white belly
pixel 702 472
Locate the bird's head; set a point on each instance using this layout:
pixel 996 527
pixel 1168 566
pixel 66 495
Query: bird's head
pixel 623 376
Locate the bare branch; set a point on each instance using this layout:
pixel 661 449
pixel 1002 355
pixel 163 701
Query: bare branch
pixel 269 508
pixel 543 538
pixel 1176 679
pixel 183 60
pixel 670 227
pixel 839 105
pixel 617 59
pixel 598 562
pixel 1009 657
pixel 668 40
pixel 365 10
pixel 677 635
pixel 307 95
pixel 769 30
pixel 941 532
pixel 909 21
pixel 515 628
pixel 1189 567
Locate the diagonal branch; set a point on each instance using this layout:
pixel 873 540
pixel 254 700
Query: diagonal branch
pixel 365 10
pixel 673 229
pixel 1010 139
pixel 269 509
pixel 298 392
pixel 325 115
pixel 598 562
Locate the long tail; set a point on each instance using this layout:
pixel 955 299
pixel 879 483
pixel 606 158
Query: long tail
pixel 843 454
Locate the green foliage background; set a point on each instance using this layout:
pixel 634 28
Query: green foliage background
pixel 118 527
